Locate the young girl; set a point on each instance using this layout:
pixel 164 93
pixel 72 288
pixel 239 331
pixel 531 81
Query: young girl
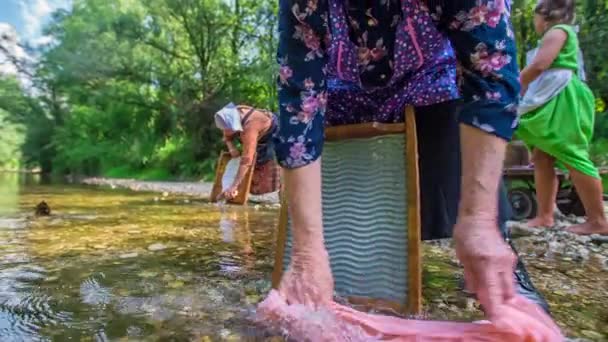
pixel 558 116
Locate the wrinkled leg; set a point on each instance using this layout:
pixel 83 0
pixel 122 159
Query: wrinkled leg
pixel 487 57
pixel 488 261
pixel 546 183
pixel 299 143
pixel 308 279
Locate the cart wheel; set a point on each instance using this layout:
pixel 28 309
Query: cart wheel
pixel 572 204
pixel 523 202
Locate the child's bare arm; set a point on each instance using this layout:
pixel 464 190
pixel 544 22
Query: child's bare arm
pixel 552 43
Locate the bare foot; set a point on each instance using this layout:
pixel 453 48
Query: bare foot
pixel 589 228
pixel 308 281
pixel 539 222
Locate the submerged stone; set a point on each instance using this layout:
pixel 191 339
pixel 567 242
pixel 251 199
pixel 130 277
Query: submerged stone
pixel 156 247
pixel 129 255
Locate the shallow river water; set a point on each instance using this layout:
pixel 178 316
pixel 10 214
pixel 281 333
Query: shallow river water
pixel 115 265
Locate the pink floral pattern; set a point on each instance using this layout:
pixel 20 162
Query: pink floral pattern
pixel 489 63
pixel 306 34
pixel 299 155
pixel 493 95
pixel 366 52
pixel 285 74
pixel 484 13
pixel 310 106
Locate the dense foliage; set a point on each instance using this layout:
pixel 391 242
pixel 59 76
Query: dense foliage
pixel 128 87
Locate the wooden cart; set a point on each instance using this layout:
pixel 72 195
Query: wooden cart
pixel 522 193
pixel 518 175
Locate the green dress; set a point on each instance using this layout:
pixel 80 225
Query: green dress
pixel 563 127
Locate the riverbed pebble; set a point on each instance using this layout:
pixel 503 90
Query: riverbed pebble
pixel 129 255
pixel 156 247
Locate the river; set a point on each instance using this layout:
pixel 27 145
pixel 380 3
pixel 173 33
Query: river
pixel 118 265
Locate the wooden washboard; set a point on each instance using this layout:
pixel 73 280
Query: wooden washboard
pixel 371 215
pixel 244 187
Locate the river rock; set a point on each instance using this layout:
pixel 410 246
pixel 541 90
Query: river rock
pixel 520 230
pixel 599 238
pixel 156 247
pixel 128 255
pixel 583 239
pixel 596 336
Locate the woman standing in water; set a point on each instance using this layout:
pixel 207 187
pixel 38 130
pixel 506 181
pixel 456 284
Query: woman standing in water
pixel 388 54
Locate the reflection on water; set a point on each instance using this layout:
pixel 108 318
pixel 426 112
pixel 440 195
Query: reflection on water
pixel 9 193
pixel 110 264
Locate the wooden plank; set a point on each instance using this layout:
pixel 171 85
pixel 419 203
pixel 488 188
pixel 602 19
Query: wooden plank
pixel 365 130
pixel 277 272
pixel 525 171
pixel 517 154
pixel 220 167
pixel 244 187
pixel 414 295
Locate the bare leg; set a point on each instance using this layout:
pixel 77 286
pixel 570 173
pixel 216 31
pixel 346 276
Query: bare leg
pixel 546 184
pixel 488 261
pixel 308 279
pixel 591 193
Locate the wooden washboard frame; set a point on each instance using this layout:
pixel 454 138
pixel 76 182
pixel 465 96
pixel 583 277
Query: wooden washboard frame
pixel 244 187
pixel 413 296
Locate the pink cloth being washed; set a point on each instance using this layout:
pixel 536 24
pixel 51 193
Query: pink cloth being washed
pixel 521 321
pixel 303 308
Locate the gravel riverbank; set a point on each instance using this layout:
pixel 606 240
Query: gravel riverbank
pixel 200 190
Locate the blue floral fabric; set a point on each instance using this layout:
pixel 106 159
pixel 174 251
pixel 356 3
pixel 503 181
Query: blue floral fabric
pixel 341 59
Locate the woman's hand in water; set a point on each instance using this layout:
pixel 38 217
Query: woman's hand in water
pixel 229 194
pixel 488 263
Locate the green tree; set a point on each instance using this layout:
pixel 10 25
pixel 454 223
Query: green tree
pixel 131 86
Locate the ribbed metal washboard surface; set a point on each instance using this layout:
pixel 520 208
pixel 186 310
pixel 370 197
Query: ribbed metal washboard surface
pixel 365 217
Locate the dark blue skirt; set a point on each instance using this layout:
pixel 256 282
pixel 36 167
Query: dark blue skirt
pixel 440 170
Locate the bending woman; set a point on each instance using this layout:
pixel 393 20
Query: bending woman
pixel 254 128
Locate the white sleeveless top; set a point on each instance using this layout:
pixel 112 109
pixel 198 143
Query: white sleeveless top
pixel 548 85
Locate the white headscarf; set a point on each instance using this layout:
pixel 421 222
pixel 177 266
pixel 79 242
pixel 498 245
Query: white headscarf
pixel 229 118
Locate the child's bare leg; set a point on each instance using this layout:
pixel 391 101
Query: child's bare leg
pixel 590 191
pixel 546 184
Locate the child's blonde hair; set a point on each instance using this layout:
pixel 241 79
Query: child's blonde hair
pixel 556 11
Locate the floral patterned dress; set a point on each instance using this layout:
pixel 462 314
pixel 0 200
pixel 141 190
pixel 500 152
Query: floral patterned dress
pixel 370 58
